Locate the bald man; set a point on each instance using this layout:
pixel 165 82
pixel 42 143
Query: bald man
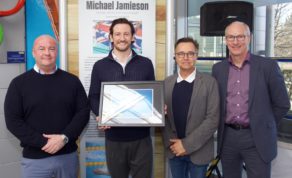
pixel 253 101
pixel 47 108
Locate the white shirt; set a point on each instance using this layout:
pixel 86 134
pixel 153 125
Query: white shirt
pixel 38 70
pixel 189 79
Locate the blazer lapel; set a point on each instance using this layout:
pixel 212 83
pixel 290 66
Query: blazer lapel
pixel 224 79
pixel 252 80
pixel 196 88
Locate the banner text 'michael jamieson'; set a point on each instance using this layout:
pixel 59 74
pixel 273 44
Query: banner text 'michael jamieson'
pixel 119 6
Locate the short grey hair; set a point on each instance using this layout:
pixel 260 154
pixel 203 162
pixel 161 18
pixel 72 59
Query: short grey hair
pixel 247 30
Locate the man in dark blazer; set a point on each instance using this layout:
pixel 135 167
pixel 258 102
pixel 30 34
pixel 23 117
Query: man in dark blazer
pixel 192 101
pixel 253 100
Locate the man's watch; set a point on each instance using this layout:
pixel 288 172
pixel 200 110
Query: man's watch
pixel 65 139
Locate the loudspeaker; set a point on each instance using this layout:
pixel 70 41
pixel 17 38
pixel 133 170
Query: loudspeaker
pixel 215 16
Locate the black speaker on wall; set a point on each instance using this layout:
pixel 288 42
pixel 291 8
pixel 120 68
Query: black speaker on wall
pixel 215 16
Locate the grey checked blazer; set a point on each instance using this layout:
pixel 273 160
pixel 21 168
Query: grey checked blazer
pixel 202 119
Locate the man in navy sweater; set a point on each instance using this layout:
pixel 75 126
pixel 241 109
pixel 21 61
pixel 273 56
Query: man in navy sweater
pixel 47 108
pixel 128 149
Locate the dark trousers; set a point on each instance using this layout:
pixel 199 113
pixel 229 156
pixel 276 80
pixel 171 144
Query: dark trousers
pixel 238 148
pixel 133 158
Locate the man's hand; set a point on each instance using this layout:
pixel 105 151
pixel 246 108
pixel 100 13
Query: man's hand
pixel 54 144
pixel 101 127
pixel 177 147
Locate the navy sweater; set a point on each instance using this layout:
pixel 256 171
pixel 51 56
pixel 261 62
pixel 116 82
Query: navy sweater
pixel 138 68
pixel 52 104
pixel 181 98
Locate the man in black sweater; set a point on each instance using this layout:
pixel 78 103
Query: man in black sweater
pixel 47 108
pixel 128 150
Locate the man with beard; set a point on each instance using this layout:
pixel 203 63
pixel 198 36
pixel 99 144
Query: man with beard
pixel 128 149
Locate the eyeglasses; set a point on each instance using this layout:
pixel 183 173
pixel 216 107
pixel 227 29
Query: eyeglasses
pixel 189 54
pixel 232 38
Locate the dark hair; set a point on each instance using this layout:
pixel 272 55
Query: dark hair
pixel 187 40
pixel 121 21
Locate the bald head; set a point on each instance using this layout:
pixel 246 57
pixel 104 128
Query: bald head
pixel 238 24
pixel 44 38
pixel 237 36
pixel 45 52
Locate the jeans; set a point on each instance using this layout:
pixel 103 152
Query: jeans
pixel 182 167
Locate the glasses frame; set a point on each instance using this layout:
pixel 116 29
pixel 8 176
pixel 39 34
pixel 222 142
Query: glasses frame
pixel 231 38
pixel 189 54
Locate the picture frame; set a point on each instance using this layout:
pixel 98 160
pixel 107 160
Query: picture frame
pixel 132 103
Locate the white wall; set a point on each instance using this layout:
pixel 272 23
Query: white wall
pixel 10 151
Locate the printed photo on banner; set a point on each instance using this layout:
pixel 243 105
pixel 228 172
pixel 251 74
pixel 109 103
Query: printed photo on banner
pixel 95 159
pixel 101 42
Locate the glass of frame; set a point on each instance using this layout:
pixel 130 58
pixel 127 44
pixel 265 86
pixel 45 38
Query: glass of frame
pixel 131 104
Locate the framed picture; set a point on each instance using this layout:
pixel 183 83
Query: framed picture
pixel 132 104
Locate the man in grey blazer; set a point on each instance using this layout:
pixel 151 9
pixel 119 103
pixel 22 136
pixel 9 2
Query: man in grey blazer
pixel 253 99
pixel 192 101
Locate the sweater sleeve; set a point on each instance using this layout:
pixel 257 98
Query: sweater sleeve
pixel 15 122
pixel 151 71
pixel 81 115
pixel 278 92
pixel 94 90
